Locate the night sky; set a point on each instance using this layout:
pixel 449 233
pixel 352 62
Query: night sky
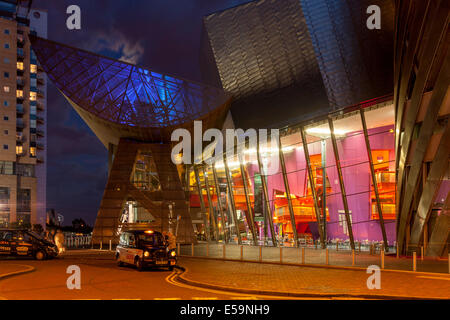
pixel 163 35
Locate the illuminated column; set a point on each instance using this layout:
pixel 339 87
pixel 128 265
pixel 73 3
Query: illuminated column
pixel 374 179
pixel 288 191
pixel 266 197
pixel 250 221
pixel 211 208
pixel 219 201
pixel 313 186
pixel 230 193
pixel 131 216
pixel 202 203
pixel 341 182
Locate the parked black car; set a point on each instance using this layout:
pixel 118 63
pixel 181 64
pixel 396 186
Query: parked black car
pixel 144 249
pixel 23 243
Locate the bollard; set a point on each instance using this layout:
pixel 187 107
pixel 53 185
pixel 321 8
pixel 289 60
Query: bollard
pixel 242 252
pixel 192 249
pixel 382 259
pixel 315 244
pixel 397 251
pixel 260 254
pixel 353 257
pixel 359 246
pixel 223 251
pixel 414 261
pixel 178 249
pixel 110 245
pixel 337 245
pixel 326 256
pixel 207 249
pixel 421 253
pixel 303 255
pixel 449 263
pixel 101 245
pixel 281 254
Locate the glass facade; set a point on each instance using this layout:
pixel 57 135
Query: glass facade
pixel 309 196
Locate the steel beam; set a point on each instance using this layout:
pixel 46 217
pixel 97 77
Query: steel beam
pixel 374 179
pixel 202 203
pixel 219 202
pixel 435 35
pixel 426 132
pixel 210 205
pixel 438 169
pixel 266 196
pixel 313 186
pixel 250 220
pixel 288 191
pixel 230 193
pixel 439 234
pixel 341 183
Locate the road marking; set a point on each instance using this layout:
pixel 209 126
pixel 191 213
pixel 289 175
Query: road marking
pixel 204 298
pixel 127 299
pixel 170 280
pixel 167 299
pixel 27 269
pixel 434 278
pixel 244 298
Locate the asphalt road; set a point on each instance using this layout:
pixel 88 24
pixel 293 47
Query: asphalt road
pixel 101 278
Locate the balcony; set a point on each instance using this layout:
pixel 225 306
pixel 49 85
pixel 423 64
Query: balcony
pixel 40 93
pixel 20 41
pixel 20 137
pixel 20 54
pixel 40 146
pixel 20 83
pixel 20 125
pixel 20 110
pixel 40 120
pixel 40 133
pixel 40 81
pixel 40 159
pixel 40 106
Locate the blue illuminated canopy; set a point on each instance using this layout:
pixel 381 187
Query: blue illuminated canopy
pixel 123 93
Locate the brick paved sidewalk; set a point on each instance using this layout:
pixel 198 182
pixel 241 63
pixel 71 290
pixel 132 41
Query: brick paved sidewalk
pixel 291 255
pixel 310 280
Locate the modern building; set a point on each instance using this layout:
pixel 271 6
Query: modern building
pixel 280 64
pixel 422 141
pixel 133 111
pixel 22 117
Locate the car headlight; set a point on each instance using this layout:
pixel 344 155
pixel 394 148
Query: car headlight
pixel 146 254
pixel 173 253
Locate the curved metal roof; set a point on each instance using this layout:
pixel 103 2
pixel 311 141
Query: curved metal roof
pixel 123 93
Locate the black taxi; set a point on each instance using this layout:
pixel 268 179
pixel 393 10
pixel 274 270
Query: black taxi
pixel 145 249
pixel 24 243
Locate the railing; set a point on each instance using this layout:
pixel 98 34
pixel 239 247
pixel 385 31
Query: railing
pixel 77 241
pixel 340 255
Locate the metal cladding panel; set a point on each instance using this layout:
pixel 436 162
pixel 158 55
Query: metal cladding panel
pixel 355 62
pixel 122 93
pixel 262 46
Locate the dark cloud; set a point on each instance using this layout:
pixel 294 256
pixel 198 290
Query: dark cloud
pixel 163 35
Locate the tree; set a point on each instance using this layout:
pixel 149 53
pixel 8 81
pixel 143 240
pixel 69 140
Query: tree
pixel 38 228
pixel 80 226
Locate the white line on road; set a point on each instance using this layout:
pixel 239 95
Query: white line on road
pixel 434 278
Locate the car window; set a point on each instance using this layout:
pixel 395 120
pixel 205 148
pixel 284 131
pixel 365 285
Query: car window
pixel 151 239
pixel 131 240
pixel 23 236
pixel 6 235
